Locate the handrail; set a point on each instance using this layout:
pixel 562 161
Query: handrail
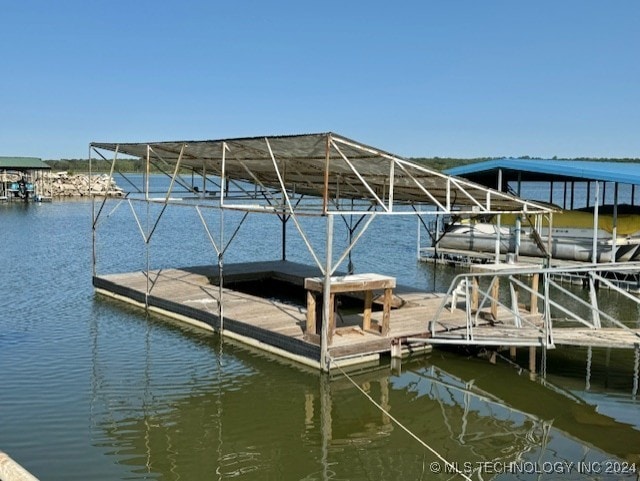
pixel 592 271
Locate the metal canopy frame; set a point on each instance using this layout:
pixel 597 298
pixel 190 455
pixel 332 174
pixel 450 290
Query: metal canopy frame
pixel 328 167
pixel 322 174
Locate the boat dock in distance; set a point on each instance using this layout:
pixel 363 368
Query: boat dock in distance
pixel 315 314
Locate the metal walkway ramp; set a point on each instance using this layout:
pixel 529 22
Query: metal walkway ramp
pixel 523 305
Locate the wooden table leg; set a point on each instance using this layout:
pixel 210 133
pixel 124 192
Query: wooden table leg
pixel 368 301
pixel 474 294
pixel 495 291
pixel 332 317
pixel 386 313
pixel 311 312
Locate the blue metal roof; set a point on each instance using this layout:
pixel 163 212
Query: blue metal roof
pixel 549 170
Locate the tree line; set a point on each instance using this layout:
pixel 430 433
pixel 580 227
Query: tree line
pixel 444 163
pixel 138 165
pixel 97 165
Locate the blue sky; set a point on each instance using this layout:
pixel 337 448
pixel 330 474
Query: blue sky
pixel 465 78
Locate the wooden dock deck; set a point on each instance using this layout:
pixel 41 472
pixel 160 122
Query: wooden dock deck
pixel 275 323
pixel 191 294
pixel 523 336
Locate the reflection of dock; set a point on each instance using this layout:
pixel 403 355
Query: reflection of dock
pixel 309 422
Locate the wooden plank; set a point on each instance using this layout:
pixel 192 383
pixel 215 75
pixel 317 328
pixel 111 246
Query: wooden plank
pixel 386 314
pixel 353 283
pixel 368 300
pixel 311 312
pixel 495 292
pixel 535 279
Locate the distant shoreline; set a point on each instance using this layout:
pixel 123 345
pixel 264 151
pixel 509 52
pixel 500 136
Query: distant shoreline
pixel 137 166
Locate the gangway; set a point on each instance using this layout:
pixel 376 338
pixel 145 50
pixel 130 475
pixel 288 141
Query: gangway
pixel 525 305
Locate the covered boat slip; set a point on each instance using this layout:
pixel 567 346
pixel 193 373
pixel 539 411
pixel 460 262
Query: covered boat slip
pixel 21 178
pixel 294 178
pixel 598 218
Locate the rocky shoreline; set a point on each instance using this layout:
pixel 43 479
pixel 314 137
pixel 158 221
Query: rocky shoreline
pixel 64 184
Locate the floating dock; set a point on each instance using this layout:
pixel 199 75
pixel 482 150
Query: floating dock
pixel 314 314
pixel 276 325
pixel 279 325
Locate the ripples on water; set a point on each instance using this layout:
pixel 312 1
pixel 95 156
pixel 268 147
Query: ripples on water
pixel 93 389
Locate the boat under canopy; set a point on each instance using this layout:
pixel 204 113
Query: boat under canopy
pixel 571 235
pixel 594 222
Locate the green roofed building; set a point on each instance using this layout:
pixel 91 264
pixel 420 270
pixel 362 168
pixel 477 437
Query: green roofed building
pixel 21 177
pixel 23 163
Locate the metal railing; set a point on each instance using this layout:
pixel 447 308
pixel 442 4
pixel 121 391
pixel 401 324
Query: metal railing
pixel 548 305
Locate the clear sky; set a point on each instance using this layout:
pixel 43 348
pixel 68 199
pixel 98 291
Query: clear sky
pixel 447 78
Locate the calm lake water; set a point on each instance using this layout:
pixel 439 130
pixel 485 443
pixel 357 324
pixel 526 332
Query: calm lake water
pixel 93 389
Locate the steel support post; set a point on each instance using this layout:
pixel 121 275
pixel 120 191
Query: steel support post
pixel 596 202
pixel 284 220
pixel 223 179
pixel 93 216
pixel 594 302
pixel 326 295
pixel 549 242
pixel 614 233
pixel 146 232
pixel 499 222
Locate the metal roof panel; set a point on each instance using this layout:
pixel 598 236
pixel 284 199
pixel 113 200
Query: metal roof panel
pixel 623 172
pixel 19 163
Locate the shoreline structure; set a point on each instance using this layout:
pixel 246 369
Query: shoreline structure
pixel 64 184
pixel 48 185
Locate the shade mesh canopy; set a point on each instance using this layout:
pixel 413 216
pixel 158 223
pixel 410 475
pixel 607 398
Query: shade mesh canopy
pixel 325 165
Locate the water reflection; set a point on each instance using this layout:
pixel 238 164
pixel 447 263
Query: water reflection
pixel 182 405
pixel 94 390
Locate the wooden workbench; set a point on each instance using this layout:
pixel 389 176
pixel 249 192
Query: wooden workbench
pixel 366 283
